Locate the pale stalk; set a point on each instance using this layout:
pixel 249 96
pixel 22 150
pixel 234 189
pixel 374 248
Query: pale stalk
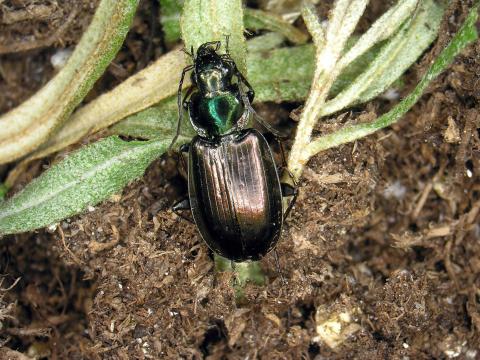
pixel 464 37
pixel 343 20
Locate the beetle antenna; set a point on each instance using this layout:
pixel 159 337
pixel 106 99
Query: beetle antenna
pixel 184 49
pixel 179 104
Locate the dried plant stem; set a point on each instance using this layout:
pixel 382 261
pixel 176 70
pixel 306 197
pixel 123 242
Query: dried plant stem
pixel 343 20
pixel 465 36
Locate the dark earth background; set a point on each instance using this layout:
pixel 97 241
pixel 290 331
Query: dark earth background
pixel 385 229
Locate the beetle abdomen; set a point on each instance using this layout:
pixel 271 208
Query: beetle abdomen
pixel 235 194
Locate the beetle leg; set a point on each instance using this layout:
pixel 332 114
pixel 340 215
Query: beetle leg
pixel 287 191
pixel 179 103
pixel 284 158
pixel 182 205
pixel 187 52
pixel 184 107
pixel 248 99
pixel 186 98
pixel 265 124
pixel 243 80
pixel 184 148
pixel 277 264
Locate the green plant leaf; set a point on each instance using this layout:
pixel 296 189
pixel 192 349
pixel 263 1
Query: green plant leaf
pixel 211 20
pixel 382 29
pixel 281 74
pixel 170 11
pixel 393 59
pixel 464 37
pixel 253 20
pixel 156 122
pixel 249 271
pixel 265 42
pixel 243 272
pixel 27 126
pixel 85 178
pixel 315 28
pixel 3 191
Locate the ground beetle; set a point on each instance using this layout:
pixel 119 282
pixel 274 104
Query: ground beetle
pixel 235 193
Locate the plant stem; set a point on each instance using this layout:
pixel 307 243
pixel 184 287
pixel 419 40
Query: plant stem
pixel 466 35
pixel 344 18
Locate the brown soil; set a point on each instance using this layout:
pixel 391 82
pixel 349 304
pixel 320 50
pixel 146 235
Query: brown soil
pixel 385 229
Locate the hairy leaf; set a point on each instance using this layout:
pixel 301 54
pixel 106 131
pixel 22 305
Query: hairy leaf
pixel 170 11
pixel 253 20
pixel 212 20
pixel 156 122
pixel 396 56
pixel 281 74
pixel 464 37
pixel 84 178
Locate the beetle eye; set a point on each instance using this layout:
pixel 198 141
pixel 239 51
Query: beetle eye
pixel 226 71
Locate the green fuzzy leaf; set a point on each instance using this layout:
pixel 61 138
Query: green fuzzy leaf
pixel 170 11
pixel 265 42
pixel 86 177
pixel 156 122
pixel 249 271
pixel 282 74
pixel 212 20
pixel 253 20
pixel 244 272
pixel 352 71
pixel 3 191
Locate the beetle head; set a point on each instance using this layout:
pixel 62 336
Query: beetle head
pixel 212 72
